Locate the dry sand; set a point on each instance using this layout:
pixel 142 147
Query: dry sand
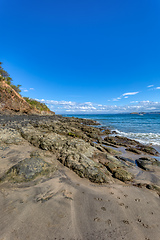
pixel 69 207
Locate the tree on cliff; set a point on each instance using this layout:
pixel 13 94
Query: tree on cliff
pixel 3 73
pixel 4 76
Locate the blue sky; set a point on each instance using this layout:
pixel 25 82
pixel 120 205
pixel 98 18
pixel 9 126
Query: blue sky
pixel 84 56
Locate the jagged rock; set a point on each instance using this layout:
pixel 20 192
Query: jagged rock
pixel 111 150
pixel 133 149
pixel 127 161
pixel 122 175
pixel 72 144
pixel 100 148
pixel 157 188
pixel 107 132
pixel 10 136
pixel 121 141
pixel 118 169
pixel 85 167
pixel 147 149
pixel 145 162
pixel 28 169
pixel 73 153
pixel 131 145
pixel 109 144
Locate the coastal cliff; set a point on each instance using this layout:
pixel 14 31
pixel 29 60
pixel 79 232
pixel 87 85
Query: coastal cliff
pixel 12 102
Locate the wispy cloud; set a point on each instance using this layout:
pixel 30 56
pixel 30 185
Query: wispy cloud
pixel 130 93
pixel 150 86
pixel 89 107
pixel 157 87
pixel 115 99
pixel 125 95
pixel 26 90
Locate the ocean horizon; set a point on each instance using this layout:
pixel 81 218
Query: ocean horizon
pixel 144 128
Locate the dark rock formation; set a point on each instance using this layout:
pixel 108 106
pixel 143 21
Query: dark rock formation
pixel 145 162
pixel 115 167
pixel 74 144
pixel 131 145
pixel 28 169
pixel 121 141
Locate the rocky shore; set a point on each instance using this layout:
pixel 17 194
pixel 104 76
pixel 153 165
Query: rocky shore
pixel 69 178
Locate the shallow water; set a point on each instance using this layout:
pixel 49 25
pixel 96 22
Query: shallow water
pixel 143 128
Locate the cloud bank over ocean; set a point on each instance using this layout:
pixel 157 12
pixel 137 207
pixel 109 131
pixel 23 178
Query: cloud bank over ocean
pixel 89 107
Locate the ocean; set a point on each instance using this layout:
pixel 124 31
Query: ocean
pixel 143 128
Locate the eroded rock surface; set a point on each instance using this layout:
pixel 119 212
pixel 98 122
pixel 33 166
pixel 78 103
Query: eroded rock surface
pixel 28 169
pixel 131 145
pixel 76 145
pixel 146 163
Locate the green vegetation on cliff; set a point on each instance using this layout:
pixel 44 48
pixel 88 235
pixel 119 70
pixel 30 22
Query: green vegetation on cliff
pixel 38 105
pixel 4 76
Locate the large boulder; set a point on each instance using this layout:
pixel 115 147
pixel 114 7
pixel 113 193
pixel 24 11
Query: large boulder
pixel 28 169
pixel 10 136
pixel 85 167
pixel 115 167
pixel 122 175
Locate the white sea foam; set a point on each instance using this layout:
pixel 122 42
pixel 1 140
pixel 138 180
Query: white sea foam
pixel 145 138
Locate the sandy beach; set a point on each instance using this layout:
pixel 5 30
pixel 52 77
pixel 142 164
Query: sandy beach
pixel 63 205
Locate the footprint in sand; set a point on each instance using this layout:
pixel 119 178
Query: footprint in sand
pixel 109 222
pixel 125 221
pixel 143 224
pixel 103 208
pixel 67 195
pixel 96 219
pixel 137 200
pixel 98 199
pixel 121 204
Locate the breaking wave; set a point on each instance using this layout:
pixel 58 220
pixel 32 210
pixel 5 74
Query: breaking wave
pixel 145 138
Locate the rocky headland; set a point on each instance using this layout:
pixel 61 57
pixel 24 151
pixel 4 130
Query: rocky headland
pixel 70 178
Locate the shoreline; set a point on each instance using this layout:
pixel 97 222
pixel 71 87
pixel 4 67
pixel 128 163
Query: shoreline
pixel 85 189
pixel 139 136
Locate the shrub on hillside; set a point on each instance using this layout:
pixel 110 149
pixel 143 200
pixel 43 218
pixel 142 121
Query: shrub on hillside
pixel 35 104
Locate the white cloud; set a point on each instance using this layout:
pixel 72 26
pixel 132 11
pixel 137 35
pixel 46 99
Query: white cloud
pixel 25 90
pixel 157 87
pixel 134 102
pixel 115 99
pixel 31 89
pixel 150 86
pixel 130 93
pixel 89 107
pixel 126 97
